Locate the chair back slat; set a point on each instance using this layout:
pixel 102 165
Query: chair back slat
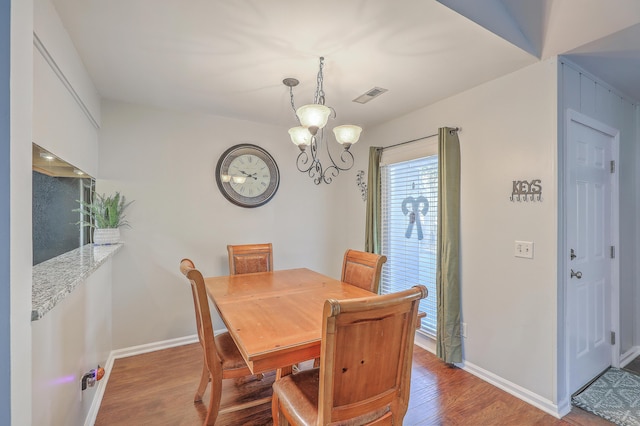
pixel 366 355
pixel 362 269
pixel 249 258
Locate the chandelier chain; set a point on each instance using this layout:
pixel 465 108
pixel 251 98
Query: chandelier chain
pixel 319 96
pixel 293 106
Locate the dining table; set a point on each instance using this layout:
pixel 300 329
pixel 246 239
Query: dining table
pixel 275 318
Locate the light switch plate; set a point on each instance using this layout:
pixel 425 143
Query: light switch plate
pixel 524 249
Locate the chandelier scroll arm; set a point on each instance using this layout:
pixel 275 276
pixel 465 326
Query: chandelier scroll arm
pixel 309 135
pixel 348 164
pixel 302 161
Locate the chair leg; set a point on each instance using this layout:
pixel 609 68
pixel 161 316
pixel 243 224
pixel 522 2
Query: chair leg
pixel 204 380
pixel 214 402
pixel 275 410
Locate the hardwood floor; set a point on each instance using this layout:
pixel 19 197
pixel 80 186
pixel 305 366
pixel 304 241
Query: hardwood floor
pixel 158 388
pixel 634 366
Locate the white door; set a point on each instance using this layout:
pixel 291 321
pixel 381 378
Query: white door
pixel 591 199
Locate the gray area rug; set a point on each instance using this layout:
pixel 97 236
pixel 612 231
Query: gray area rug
pixel 614 396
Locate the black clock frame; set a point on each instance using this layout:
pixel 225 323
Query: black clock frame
pixel 227 190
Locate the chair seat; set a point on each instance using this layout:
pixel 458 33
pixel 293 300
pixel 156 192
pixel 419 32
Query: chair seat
pixel 298 395
pixel 228 352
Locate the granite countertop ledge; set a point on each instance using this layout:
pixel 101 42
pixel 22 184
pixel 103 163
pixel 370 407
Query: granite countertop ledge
pixel 55 278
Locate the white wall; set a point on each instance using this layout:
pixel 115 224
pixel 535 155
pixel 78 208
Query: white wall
pixel 636 321
pixel 69 341
pixel 18 242
pixel 66 106
pixel 59 125
pixel 75 336
pixel 165 161
pixel 592 97
pixel 509 304
pixel 59 46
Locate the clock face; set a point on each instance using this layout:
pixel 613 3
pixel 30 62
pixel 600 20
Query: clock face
pixel 254 173
pixel 247 175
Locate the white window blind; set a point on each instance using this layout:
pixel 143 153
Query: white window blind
pixel 409 230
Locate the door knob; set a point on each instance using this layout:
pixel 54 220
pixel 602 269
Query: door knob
pixel 578 274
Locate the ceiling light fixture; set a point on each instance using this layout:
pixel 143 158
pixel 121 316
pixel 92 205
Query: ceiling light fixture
pixel 47 156
pixel 310 133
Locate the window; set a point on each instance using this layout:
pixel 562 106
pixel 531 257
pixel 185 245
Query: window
pixel 409 227
pixel 56 187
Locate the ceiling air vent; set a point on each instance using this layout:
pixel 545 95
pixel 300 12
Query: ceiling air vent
pixel 373 93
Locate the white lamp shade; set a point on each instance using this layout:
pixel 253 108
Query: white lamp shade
pixel 313 115
pixel 347 133
pixel 300 135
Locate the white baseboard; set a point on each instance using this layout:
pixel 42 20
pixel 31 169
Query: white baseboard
pixel 152 347
pixel 97 397
pixel 123 353
pixel 516 390
pixel 629 356
pixel 519 392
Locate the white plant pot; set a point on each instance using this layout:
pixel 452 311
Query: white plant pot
pixel 107 236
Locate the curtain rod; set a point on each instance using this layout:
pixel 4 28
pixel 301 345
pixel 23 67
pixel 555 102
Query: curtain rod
pixel 455 129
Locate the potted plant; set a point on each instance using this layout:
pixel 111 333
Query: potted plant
pixel 106 216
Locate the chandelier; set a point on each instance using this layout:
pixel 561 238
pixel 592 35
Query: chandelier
pixel 309 135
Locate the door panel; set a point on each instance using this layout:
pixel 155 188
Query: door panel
pixel 589 234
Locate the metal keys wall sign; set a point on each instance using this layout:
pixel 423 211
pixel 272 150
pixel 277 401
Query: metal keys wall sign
pixel 526 190
pixel 418 205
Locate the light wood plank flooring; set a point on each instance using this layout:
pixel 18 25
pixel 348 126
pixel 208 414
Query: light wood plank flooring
pixel 158 388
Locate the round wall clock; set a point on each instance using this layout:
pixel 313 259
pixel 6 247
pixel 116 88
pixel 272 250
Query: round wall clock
pixel 247 175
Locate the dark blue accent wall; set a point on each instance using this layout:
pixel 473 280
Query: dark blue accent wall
pixel 5 243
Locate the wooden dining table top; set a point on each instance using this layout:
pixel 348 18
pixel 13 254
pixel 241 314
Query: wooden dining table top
pixel 275 317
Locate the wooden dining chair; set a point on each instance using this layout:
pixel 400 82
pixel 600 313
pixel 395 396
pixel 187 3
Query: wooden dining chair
pixel 222 360
pixel 362 269
pixel 248 258
pixel 365 368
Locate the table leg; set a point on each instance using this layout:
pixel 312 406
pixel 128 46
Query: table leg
pixel 284 371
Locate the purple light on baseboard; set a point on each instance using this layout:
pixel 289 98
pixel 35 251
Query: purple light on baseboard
pixel 62 380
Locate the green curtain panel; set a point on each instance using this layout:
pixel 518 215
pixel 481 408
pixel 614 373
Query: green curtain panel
pixel 449 341
pixel 372 240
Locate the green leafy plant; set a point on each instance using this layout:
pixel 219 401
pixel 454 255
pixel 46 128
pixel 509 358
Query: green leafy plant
pixel 104 212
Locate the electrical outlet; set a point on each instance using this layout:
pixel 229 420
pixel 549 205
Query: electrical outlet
pixel 524 249
pixel 464 330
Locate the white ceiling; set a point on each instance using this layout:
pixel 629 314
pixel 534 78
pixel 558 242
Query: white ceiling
pixel 228 57
pixel 603 37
